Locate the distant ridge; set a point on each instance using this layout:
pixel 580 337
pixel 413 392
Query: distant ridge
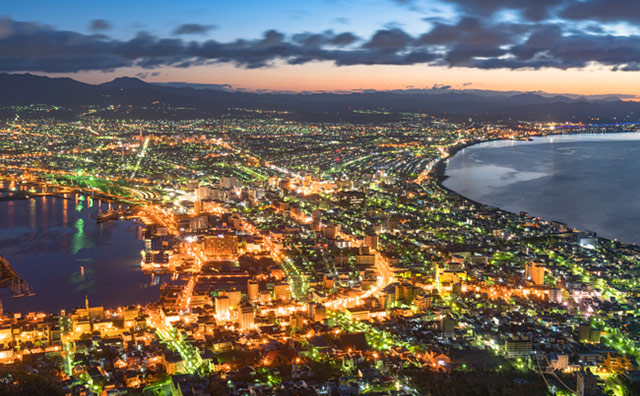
pixel 25 89
pixel 125 82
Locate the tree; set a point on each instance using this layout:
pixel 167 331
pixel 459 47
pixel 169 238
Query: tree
pixel 24 384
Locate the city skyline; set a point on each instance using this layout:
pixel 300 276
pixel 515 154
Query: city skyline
pixel 320 198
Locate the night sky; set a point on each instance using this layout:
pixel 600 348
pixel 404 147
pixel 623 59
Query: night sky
pixel 561 46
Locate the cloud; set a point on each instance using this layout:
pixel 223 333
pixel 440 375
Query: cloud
pixel 603 11
pixel 470 42
pixel 99 25
pixel 145 75
pixel 389 40
pixel 533 10
pixel 193 28
pixel 607 11
pixel 473 32
pixel 549 47
pixel 328 37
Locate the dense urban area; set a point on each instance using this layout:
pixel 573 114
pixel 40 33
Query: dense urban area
pixel 313 257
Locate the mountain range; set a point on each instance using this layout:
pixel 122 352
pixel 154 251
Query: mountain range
pixel 133 93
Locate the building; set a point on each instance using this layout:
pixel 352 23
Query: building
pixel 328 282
pixel 204 193
pixel 587 384
pixel 423 301
pixel 406 293
pixel 253 289
pixel 130 315
pixel 316 216
pixel 330 231
pixel 235 221
pixel 221 245
pixel 588 242
pixel 157 248
pixel 228 182
pixel 282 291
pixel 534 272
pixel 358 314
pixel 364 257
pixel 234 297
pixel 588 335
pixel 555 296
pixel 518 347
pixel 558 362
pixel 352 198
pixel 448 326
pixel 198 223
pixel 186 384
pixel 317 312
pixel 245 317
pixel 222 308
pixel 371 241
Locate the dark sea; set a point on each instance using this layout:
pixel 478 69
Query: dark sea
pixel 57 246
pixel 591 181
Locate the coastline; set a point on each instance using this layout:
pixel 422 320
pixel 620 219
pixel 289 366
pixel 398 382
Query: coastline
pixel 440 176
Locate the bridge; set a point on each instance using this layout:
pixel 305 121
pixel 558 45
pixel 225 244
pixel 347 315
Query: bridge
pixel 9 277
pixel 23 195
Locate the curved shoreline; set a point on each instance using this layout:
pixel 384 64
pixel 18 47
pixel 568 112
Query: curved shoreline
pixel 440 176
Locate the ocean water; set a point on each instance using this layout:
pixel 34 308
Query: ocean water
pixel 591 181
pixel 57 246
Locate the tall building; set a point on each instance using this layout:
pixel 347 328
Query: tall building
pixel 371 241
pixel 330 231
pixel 234 297
pixel 447 326
pixel 204 193
pixel 228 182
pixel 222 308
pixel 589 335
pixel 534 272
pixel 130 315
pixel 555 296
pixel 282 291
pixel 245 317
pixel 423 301
pixel 518 346
pixel 253 289
pixel 316 216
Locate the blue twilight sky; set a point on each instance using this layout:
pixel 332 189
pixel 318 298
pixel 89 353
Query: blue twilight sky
pixel 233 19
pixel 581 46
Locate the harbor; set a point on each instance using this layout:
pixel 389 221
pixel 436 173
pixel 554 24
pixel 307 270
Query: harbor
pixel 57 249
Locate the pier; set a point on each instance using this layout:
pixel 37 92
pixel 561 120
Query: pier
pixel 9 277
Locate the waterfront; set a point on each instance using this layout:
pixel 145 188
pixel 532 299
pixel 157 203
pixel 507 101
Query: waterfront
pixel 58 248
pixel 590 182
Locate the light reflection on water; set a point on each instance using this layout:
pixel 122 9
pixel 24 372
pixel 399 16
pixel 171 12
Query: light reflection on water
pixel 59 249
